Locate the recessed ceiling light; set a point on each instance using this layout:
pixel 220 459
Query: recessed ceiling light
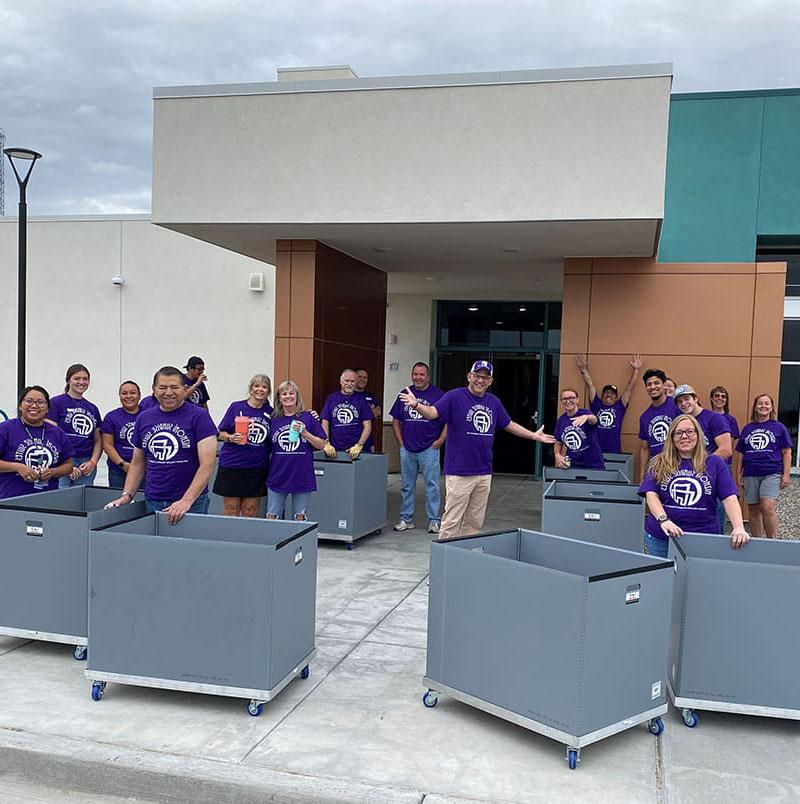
pixel 472 308
pixel 381 249
pixel 510 250
pixel 523 309
pixel 498 322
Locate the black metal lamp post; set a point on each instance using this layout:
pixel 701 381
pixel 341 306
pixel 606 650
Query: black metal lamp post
pixel 22 155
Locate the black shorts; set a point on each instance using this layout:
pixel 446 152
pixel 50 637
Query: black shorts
pixel 232 482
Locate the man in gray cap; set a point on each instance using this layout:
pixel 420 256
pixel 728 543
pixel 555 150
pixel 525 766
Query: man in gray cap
pixel 472 416
pixel 715 426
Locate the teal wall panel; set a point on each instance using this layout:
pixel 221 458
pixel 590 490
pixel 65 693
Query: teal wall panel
pixel 711 194
pixel 779 194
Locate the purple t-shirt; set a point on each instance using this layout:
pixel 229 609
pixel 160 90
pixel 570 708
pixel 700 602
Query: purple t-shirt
pixel 119 423
pixel 761 444
pixel 371 400
pixel 169 440
pixel 200 395
pixel 689 499
pixel 609 424
pixel 654 424
pixel 255 453
pixel 471 424
pixel 418 433
pixel 582 444
pixel 147 403
pixel 345 416
pixel 291 469
pixel 713 425
pixel 78 418
pixel 43 446
pixel 733 424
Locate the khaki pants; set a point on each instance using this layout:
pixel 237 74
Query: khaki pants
pixel 464 505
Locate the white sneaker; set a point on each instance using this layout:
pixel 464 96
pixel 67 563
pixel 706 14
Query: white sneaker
pixel 403 525
pixel 433 527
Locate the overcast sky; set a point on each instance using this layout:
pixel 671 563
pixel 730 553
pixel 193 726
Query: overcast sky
pixel 76 78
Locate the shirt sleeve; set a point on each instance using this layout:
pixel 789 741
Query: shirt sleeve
pixel 734 425
pixel 503 419
pixel 54 412
pixel 724 485
pixel 326 409
pixel 67 450
pixel 397 409
pixel 313 426
pixel 136 435
pixel 595 404
pixel 719 425
pixel 228 421
pixel 204 426
pixel 3 437
pixel 444 406
pixel 741 445
pixel 365 410
pixel 642 429
pixel 649 484
pixel 107 425
pixel 784 439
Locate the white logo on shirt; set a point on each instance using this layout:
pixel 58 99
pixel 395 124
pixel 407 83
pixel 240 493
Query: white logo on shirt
pixel 38 455
pixel 758 440
pixel 659 428
pixel 606 418
pixel 126 431
pixel 163 446
pixel 686 491
pixel 344 414
pixel 285 442
pixel 257 432
pixel 82 424
pixel 573 438
pixel 481 419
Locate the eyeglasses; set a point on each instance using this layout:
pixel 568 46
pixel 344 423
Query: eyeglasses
pixel 480 377
pixel 720 396
pixel 685 433
pixel 569 398
pixel 34 403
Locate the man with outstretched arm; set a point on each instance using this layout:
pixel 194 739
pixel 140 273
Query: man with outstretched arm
pixel 472 416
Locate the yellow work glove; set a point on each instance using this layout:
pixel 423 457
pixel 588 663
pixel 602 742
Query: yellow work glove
pixel 329 450
pixel 355 451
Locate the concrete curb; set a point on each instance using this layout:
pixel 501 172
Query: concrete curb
pixel 102 769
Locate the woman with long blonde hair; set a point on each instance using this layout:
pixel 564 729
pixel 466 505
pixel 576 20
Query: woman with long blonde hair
pixel 682 486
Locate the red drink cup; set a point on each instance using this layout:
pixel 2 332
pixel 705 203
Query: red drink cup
pixel 242 425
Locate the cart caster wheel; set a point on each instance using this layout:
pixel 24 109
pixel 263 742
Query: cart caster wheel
pixel 656 726
pixel 305 672
pixel 80 652
pixel 573 757
pixel 690 718
pixel 430 698
pixel 255 708
pixel 376 532
pixel 349 546
pixel 97 690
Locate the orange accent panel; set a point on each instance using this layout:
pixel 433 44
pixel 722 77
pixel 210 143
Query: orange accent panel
pixel 575 313
pixel 765 375
pixel 577 265
pixel 634 265
pixel 654 314
pixel 281 362
pixel 301 324
pixel 570 377
pixel 301 364
pixel 304 245
pixel 283 285
pixel 283 245
pixel 771 268
pixel 768 318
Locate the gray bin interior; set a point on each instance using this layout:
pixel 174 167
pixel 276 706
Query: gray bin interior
pixel 44 555
pixel 226 602
pixel 622 461
pixel 350 500
pixel 611 514
pixel 732 639
pixel 539 626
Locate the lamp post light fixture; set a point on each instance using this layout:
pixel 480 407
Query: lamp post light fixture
pixel 26 159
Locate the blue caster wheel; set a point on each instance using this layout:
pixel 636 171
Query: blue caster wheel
pixel 573 758
pixel 97 690
pixel 255 708
pixel 690 718
pixel 305 672
pixel 349 545
pixel 430 698
pixel 656 726
pixel 80 652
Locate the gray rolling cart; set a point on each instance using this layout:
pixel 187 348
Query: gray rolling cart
pixel 730 648
pixel 217 605
pixel 561 637
pixel 350 501
pixel 43 561
pixel 622 461
pixel 611 514
pixel 607 475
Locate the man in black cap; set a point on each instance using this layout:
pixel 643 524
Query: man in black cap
pixel 195 382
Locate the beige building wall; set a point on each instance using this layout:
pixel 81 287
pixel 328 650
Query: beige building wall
pixel 181 297
pixel 703 324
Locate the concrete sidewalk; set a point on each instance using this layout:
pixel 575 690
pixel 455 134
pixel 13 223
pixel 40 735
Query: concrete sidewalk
pixel 356 730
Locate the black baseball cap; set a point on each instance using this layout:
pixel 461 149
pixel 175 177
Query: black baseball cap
pixel 194 361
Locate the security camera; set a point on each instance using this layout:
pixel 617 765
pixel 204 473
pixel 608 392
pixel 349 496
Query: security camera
pixel 118 279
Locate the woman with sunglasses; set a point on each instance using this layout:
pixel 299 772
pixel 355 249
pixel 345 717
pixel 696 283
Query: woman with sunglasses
pixel 682 486
pixel 34 453
pixel 80 420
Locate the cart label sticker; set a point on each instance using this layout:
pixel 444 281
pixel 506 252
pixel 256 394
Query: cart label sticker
pixel 655 690
pixel 633 593
pixel 591 516
pixel 33 528
pixel 298 556
pixel 342 524
pixel 319 472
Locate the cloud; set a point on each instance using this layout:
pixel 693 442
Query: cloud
pixel 78 78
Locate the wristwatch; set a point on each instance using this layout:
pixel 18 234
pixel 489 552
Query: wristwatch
pixel 662 518
pixel 121 463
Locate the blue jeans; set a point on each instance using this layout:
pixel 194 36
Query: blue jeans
pixel 411 463
pixel 66 482
pixel 199 506
pixel 276 503
pixel 656 547
pixel 116 477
